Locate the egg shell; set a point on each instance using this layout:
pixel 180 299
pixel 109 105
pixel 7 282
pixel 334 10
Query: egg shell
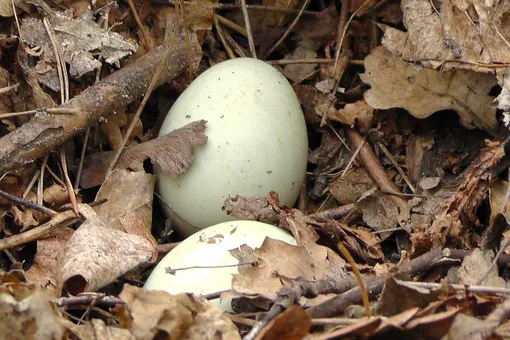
pixel 209 248
pixel 257 142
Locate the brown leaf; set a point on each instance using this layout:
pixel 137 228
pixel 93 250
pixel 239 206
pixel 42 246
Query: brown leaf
pixel 475 265
pixel 397 297
pixel 44 269
pixel 279 263
pixel 360 114
pixel 29 318
pixel 97 255
pixel 397 84
pixel 159 314
pixel 129 202
pixel 96 329
pixel 292 324
pixel 173 152
pixel 350 187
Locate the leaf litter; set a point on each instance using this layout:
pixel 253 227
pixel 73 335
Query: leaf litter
pixel 407 107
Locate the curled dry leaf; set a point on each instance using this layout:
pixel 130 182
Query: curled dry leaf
pixel 462 204
pixel 424 92
pixel 173 152
pixel 360 114
pixel 97 255
pixel 157 314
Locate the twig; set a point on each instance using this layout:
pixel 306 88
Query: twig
pixel 9 88
pixel 469 288
pixel 396 165
pixel 221 34
pixel 237 48
pixel 334 213
pixel 188 40
pixel 237 28
pixel 57 221
pixel 69 185
pixel 145 35
pixel 40 184
pixel 251 43
pixel 372 164
pixel 39 136
pixel 166 248
pixel 289 29
pixel 61 64
pixel 82 159
pixel 31 184
pixel 361 285
pixel 220 6
pixel 152 85
pixel 336 305
pixel 88 299
pixel 57 110
pixel 27 204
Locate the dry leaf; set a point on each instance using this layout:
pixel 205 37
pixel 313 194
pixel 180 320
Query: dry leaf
pixel 350 187
pixel 97 255
pixel 475 266
pixel 129 202
pixel 159 314
pixel 32 317
pixel 301 72
pixel 447 224
pixel 279 263
pixel 173 152
pixel 292 324
pixel 78 38
pixel 96 329
pixel 44 268
pixel 359 114
pixel 424 92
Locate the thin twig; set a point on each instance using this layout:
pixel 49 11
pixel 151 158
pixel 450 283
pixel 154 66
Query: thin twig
pixel 82 158
pixel 57 221
pixel 221 34
pixel 61 64
pixel 69 185
pixel 188 41
pixel 31 184
pixel 361 284
pixel 151 87
pixel 334 213
pixel 396 165
pixel 9 88
pixel 220 6
pixel 230 24
pixel 237 48
pixel 40 184
pixel 27 204
pixel 145 35
pixel 57 110
pixel 251 43
pixel 289 29
pixel 463 288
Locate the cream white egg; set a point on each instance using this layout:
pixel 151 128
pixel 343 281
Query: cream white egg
pixel 257 142
pixel 208 249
